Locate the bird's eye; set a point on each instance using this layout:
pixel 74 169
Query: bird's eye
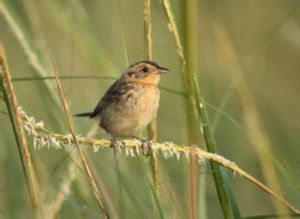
pixel 145 69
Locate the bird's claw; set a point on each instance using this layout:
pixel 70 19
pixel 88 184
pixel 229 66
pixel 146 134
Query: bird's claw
pixel 146 147
pixel 117 149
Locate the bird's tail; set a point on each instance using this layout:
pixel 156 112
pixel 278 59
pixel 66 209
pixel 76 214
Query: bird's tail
pixel 89 114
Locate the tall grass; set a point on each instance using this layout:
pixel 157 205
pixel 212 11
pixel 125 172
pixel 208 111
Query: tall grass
pixel 199 114
pixel 149 56
pixel 87 168
pixel 12 106
pixel 252 119
pixel 200 41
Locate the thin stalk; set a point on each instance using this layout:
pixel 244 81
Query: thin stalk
pixel 199 108
pixel 190 44
pixel 133 147
pixel 86 166
pixel 18 128
pixel 153 192
pixel 88 77
pixel 56 203
pixel 262 144
pixel 64 77
pixel 32 11
pixel 125 50
pixel 21 37
pixel 121 196
pixel 79 31
pixel 249 61
pixel 149 56
pixel 148 29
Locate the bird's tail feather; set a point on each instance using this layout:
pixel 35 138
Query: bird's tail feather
pixel 89 114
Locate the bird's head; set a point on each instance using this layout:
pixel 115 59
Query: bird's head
pixel 147 72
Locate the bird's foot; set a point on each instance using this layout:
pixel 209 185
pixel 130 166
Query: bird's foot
pixel 146 146
pixel 117 148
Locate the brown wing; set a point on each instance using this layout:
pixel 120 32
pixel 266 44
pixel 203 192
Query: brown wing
pixel 112 96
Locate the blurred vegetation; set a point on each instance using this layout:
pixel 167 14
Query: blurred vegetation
pixel 247 63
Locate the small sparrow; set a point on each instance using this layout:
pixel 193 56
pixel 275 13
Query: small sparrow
pixel 130 104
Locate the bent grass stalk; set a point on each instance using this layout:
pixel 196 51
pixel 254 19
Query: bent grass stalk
pixel 199 108
pixel 34 17
pixel 86 166
pixel 80 31
pixel 262 144
pixel 21 37
pixel 42 138
pixel 252 57
pixel 18 127
pixel 149 56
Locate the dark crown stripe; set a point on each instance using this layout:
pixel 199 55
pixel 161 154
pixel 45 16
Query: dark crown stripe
pixel 146 62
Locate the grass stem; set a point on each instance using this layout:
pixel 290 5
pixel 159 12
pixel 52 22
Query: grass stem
pixel 149 56
pixel 86 166
pixel 199 108
pixel 168 149
pixel 18 127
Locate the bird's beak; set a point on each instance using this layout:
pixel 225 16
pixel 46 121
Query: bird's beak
pixel 163 70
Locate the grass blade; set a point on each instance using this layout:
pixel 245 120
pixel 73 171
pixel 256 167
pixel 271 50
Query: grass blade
pixel 149 56
pixel 86 166
pixel 164 148
pixel 17 123
pixel 34 61
pixel 252 118
pixel 200 108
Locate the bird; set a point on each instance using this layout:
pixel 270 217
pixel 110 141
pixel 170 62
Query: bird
pixel 131 102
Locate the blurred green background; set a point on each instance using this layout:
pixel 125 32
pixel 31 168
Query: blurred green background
pixel 87 38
